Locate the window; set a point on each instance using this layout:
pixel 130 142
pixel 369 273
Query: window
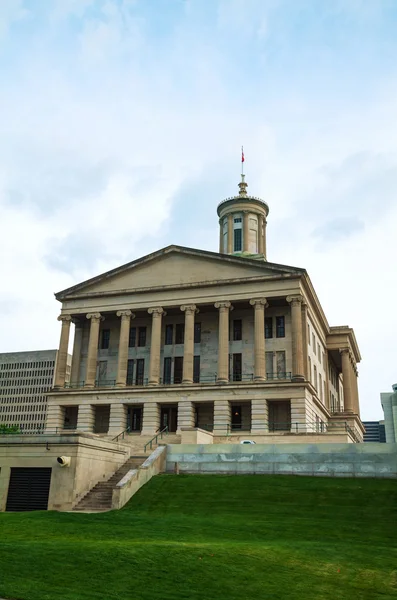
pixel 130 372
pixel 141 336
pixel 310 369
pixel 196 369
pixel 105 339
pixel 179 333
pixel 280 327
pixel 237 364
pixel 280 362
pixel 315 376
pixel 140 367
pixel 132 338
pixel 169 334
pixel 319 353
pixel 314 342
pixel 320 386
pixel 268 327
pixel 237 330
pixel 237 240
pixel 178 369
pixel 167 370
pixel 238 220
pixel 197 333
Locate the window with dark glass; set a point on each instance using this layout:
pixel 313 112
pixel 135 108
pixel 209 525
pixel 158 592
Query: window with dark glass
pixel 237 364
pixel 141 336
pixel 237 330
pixel 132 338
pixel 167 370
pixel 140 370
pixel 169 330
pixel 196 369
pixel 105 339
pixel 130 372
pixel 178 369
pixel 179 333
pixel 268 327
pixel 197 333
pixel 238 238
pixel 280 327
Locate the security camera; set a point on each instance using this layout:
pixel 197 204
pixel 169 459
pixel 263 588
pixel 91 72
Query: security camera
pixel 394 386
pixel 63 461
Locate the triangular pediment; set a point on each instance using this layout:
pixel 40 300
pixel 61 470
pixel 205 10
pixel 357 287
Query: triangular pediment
pixel 176 266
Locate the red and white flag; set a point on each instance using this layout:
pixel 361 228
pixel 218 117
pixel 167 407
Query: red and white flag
pixel 242 155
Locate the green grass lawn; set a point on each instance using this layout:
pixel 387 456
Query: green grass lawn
pixel 204 537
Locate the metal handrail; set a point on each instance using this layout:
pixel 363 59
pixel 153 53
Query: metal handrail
pixel 116 439
pixel 155 438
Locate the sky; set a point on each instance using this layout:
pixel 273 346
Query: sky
pixel 121 123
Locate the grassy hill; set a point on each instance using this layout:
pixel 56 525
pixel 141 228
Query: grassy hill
pixel 212 538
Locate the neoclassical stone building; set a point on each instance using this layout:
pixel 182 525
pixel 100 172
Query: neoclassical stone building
pixel 226 342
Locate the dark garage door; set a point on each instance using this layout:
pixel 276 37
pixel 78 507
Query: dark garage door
pixel 28 489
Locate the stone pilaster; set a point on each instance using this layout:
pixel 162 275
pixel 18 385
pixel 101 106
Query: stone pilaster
pixel 76 356
pixel 264 238
pixel 185 414
pixel 222 417
pixel 230 234
pixel 188 348
pixel 117 418
pixel 223 341
pixel 92 355
pixel 60 374
pixel 221 248
pixel 260 234
pixel 259 337
pixel 245 230
pixel 122 363
pixel 347 380
pixel 296 334
pixel 55 418
pixel 155 346
pixel 151 418
pixel 259 416
pixel 86 418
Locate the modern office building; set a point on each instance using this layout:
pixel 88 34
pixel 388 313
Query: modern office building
pixel 389 405
pixel 374 431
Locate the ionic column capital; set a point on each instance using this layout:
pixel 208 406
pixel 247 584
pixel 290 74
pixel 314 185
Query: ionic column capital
pixel 64 318
pixel 259 302
pixel 95 317
pixel 157 312
pixel 223 306
pixel 125 313
pixel 189 308
pixel 297 299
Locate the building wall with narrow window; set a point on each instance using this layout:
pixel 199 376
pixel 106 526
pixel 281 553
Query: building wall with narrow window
pixel 317 367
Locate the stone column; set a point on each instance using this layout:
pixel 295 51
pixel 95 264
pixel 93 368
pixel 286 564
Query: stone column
pixel 117 418
pixel 326 369
pixel 223 341
pixel 221 248
pixel 222 417
pixel 304 341
pixel 230 240
pixel 76 356
pixel 347 383
pixel 264 238
pixel 245 231
pixel 92 355
pixel 122 363
pixel 297 343
pixel 354 381
pixel 259 416
pixel 155 346
pixel 86 418
pixel 260 234
pixel 185 414
pixel 60 375
pixel 188 348
pixel 55 418
pixel 151 418
pixel 259 337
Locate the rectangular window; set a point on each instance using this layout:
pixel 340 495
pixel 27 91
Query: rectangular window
pixel 314 342
pixel 130 372
pixel 197 333
pixel 141 336
pixel 319 353
pixel 280 361
pixel 320 386
pixel 105 339
pixel 280 327
pixel 268 327
pixel 237 240
pixel 179 333
pixel 140 369
pixel 178 369
pixel 169 334
pixel 237 330
pixel 132 338
pixel 196 369
pixel 238 220
pixel 237 365
pixel 315 376
pixel 167 371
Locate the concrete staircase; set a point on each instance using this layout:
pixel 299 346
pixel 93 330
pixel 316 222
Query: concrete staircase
pixel 99 498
